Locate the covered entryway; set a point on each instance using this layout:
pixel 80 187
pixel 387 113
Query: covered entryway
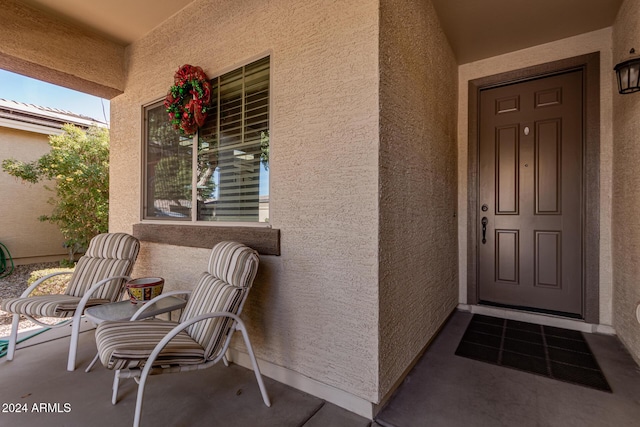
pixel 533 177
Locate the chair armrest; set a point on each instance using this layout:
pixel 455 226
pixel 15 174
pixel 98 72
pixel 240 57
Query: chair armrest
pixel 145 306
pixel 38 282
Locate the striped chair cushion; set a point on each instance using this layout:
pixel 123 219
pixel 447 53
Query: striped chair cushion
pixel 234 263
pixel 211 295
pixel 46 305
pixel 113 246
pixel 108 255
pixel 90 271
pixel 126 344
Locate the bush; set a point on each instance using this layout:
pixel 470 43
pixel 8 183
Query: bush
pixel 53 285
pixel 78 165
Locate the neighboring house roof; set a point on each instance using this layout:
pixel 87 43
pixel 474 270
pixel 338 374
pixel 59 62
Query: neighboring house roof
pixel 34 118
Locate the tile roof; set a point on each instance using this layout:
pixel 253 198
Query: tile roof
pixel 52 118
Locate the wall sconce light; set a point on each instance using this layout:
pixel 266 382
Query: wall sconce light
pixel 628 73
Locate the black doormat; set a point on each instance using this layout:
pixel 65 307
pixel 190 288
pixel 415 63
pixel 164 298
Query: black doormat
pixel 556 353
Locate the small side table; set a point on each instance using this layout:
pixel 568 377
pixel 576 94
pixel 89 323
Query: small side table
pixel 124 310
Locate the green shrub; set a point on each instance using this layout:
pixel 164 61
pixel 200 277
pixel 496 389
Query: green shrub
pixel 53 285
pixel 78 165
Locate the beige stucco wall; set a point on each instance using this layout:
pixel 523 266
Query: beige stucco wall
pixel 418 191
pixel 28 239
pixel 58 52
pixel 313 310
pixel 626 185
pixel 597 41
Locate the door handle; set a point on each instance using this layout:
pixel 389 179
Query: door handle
pixel 484 229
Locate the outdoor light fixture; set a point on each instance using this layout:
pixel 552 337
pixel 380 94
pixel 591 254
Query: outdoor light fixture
pixel 628 73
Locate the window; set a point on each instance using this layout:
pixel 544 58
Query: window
pixel 226 178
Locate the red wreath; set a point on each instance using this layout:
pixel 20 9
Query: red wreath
pixel 188 99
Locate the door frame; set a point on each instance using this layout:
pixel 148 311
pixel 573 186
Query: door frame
pixel 590 66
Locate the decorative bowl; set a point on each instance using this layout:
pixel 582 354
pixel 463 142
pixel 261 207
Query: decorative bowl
pixel 145 288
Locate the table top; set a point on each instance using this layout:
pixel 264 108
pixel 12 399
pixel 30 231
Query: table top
pixel 124 310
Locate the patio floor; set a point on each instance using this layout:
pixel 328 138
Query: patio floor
pixel 448 390
pixel 442 390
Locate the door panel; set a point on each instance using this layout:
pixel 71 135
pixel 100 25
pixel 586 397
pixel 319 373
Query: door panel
pixel 507 256
pixel 507 177
pixel 548 258
pixel 530 176
pixel 548 167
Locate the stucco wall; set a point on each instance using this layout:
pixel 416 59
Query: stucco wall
pixel 597 41
pixel 58 52
pixel 626 182
pixel 314 309
pixel 418 190
pixel 28 239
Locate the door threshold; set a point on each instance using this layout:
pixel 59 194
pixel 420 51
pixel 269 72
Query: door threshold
pixel 560 314
pixel 538 318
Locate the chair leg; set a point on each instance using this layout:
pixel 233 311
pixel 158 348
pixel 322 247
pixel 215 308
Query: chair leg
pixel 254 362
pixel 13 336
pixel 93 362
pixel 116 384
pixel 141 384
pixel 73 347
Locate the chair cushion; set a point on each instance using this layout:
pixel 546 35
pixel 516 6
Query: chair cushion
pixel 108 255
pixel 113 246
pixel 90 271
pixel 234 263
pixel 211 295
pixel 47 305
pixel 128 344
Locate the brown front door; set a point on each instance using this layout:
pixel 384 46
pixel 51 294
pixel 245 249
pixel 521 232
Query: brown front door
pixel 530 204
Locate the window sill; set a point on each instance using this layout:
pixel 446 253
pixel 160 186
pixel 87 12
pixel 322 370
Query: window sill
pixel 265 240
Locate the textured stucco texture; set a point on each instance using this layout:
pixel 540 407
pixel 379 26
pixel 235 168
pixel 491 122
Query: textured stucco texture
pixel 314 309
pixel 27 238
pixel 59 52
pixel 418 189
pixel 626 185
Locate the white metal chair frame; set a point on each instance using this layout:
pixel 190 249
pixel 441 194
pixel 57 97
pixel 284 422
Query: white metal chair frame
pixel 141 376
pixel 75 320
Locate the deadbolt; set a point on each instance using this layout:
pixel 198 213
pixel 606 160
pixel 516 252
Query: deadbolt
pixel 484 208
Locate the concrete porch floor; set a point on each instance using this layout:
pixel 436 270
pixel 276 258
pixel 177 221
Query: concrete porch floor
pixel 447 390
pixel 442 390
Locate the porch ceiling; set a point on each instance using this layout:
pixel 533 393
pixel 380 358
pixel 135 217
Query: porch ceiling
pixel 122 21
pixel 482 29
pixel 476 29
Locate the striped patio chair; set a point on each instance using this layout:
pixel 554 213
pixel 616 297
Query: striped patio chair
pixel 99 278
pixel 139 348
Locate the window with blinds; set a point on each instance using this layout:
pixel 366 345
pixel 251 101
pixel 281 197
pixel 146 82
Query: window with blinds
pixel 226 178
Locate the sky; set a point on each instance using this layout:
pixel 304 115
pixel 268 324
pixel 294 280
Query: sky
pixel 15 87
